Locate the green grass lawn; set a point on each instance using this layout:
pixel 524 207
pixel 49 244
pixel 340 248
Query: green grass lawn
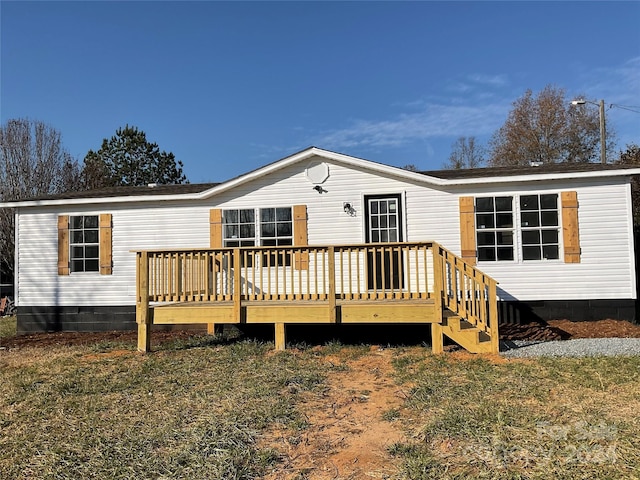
pixel 7 327
pixel 197 409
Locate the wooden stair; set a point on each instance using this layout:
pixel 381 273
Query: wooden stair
pixel 468 306
pixel 466 335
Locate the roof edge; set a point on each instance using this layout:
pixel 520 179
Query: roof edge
pixel 310 152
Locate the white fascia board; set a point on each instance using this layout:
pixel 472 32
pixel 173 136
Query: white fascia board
pixel 337 157
pixel 168 198
pixel 545 177
pixel 95 200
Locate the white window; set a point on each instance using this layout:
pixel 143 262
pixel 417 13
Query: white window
pixel 269 227
pixel 535 237
pixel 84 243
pixel 239 228
pixel 540 231
pixel 276 227
pixel 494 228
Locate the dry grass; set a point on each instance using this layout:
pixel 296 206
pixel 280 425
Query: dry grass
pixel 199 408
pixel 187 411
pixel 546 418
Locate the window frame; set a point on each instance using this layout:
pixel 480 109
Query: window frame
pixel 518 228
pixel 226 241
pixel 495 229
pixel 259 238
pixel 540 227
pixel 73 244
pixel 277 238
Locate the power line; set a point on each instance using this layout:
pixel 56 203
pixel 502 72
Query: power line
pixel 626 107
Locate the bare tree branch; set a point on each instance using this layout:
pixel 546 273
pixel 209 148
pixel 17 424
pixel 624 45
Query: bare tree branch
pixel 33 163
pixel 466 152
pixel 547 128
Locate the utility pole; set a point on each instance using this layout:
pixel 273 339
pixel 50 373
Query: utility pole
pixel 603 128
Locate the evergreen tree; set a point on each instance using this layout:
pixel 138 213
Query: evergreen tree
pixel 128 158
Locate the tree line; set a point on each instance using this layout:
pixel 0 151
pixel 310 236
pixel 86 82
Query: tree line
pixel 543 128
pixel 34 163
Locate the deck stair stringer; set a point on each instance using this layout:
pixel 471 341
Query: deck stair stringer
pixel 466 335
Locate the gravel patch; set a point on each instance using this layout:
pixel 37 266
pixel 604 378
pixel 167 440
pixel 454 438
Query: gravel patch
pixel 579 347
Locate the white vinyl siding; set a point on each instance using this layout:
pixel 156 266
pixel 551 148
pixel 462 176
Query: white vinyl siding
pixel 606 270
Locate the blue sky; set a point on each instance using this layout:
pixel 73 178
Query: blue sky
pixel 229 87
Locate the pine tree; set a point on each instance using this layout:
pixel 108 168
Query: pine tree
pixel 128 158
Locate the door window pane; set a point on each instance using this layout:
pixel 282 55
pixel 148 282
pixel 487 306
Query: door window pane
pixel 383 220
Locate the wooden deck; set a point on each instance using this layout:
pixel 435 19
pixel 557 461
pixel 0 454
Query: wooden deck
pixel 387 283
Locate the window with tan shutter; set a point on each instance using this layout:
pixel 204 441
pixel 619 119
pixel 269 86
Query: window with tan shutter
pixel 85 244
pixel 520 228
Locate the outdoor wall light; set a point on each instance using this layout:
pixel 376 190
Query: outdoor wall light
pixel 319 189
pixel 348 209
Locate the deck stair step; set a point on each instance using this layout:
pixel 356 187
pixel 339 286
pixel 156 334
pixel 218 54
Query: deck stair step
pixel 466 335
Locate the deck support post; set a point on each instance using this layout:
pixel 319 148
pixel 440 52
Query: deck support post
pixel 237 285
pixel 493 317
pixel 215 329
pixel 437 335
pixel 280 337
pixel 144 337
pixel 143 317
pixel 437 338
pixel 332 284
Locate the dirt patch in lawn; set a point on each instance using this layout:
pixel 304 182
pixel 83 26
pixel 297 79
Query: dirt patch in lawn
pixel 351 424
pixel 69 339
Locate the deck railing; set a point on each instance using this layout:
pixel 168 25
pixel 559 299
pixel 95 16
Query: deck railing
pixel 348 272
pixel 366 272
pixel 469 293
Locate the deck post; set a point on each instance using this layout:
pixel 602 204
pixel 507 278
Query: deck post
pixel 237 284
pixel 142 302
pixel 214 329
pixel 437 335
pixel 437 338
pixel 280 337
pixel 332 284
pixel 493 317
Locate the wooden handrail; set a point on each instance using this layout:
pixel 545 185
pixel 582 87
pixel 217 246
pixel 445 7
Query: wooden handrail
pixel 379 271
pixel 468 292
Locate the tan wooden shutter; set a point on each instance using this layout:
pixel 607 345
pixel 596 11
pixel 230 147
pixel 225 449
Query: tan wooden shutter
pixel 215 228
pixel 106 255
pixel 468 230
pixel 63 245
pixel 570 230
pixel 300 236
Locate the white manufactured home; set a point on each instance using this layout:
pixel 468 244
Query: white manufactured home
pixel 322 237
